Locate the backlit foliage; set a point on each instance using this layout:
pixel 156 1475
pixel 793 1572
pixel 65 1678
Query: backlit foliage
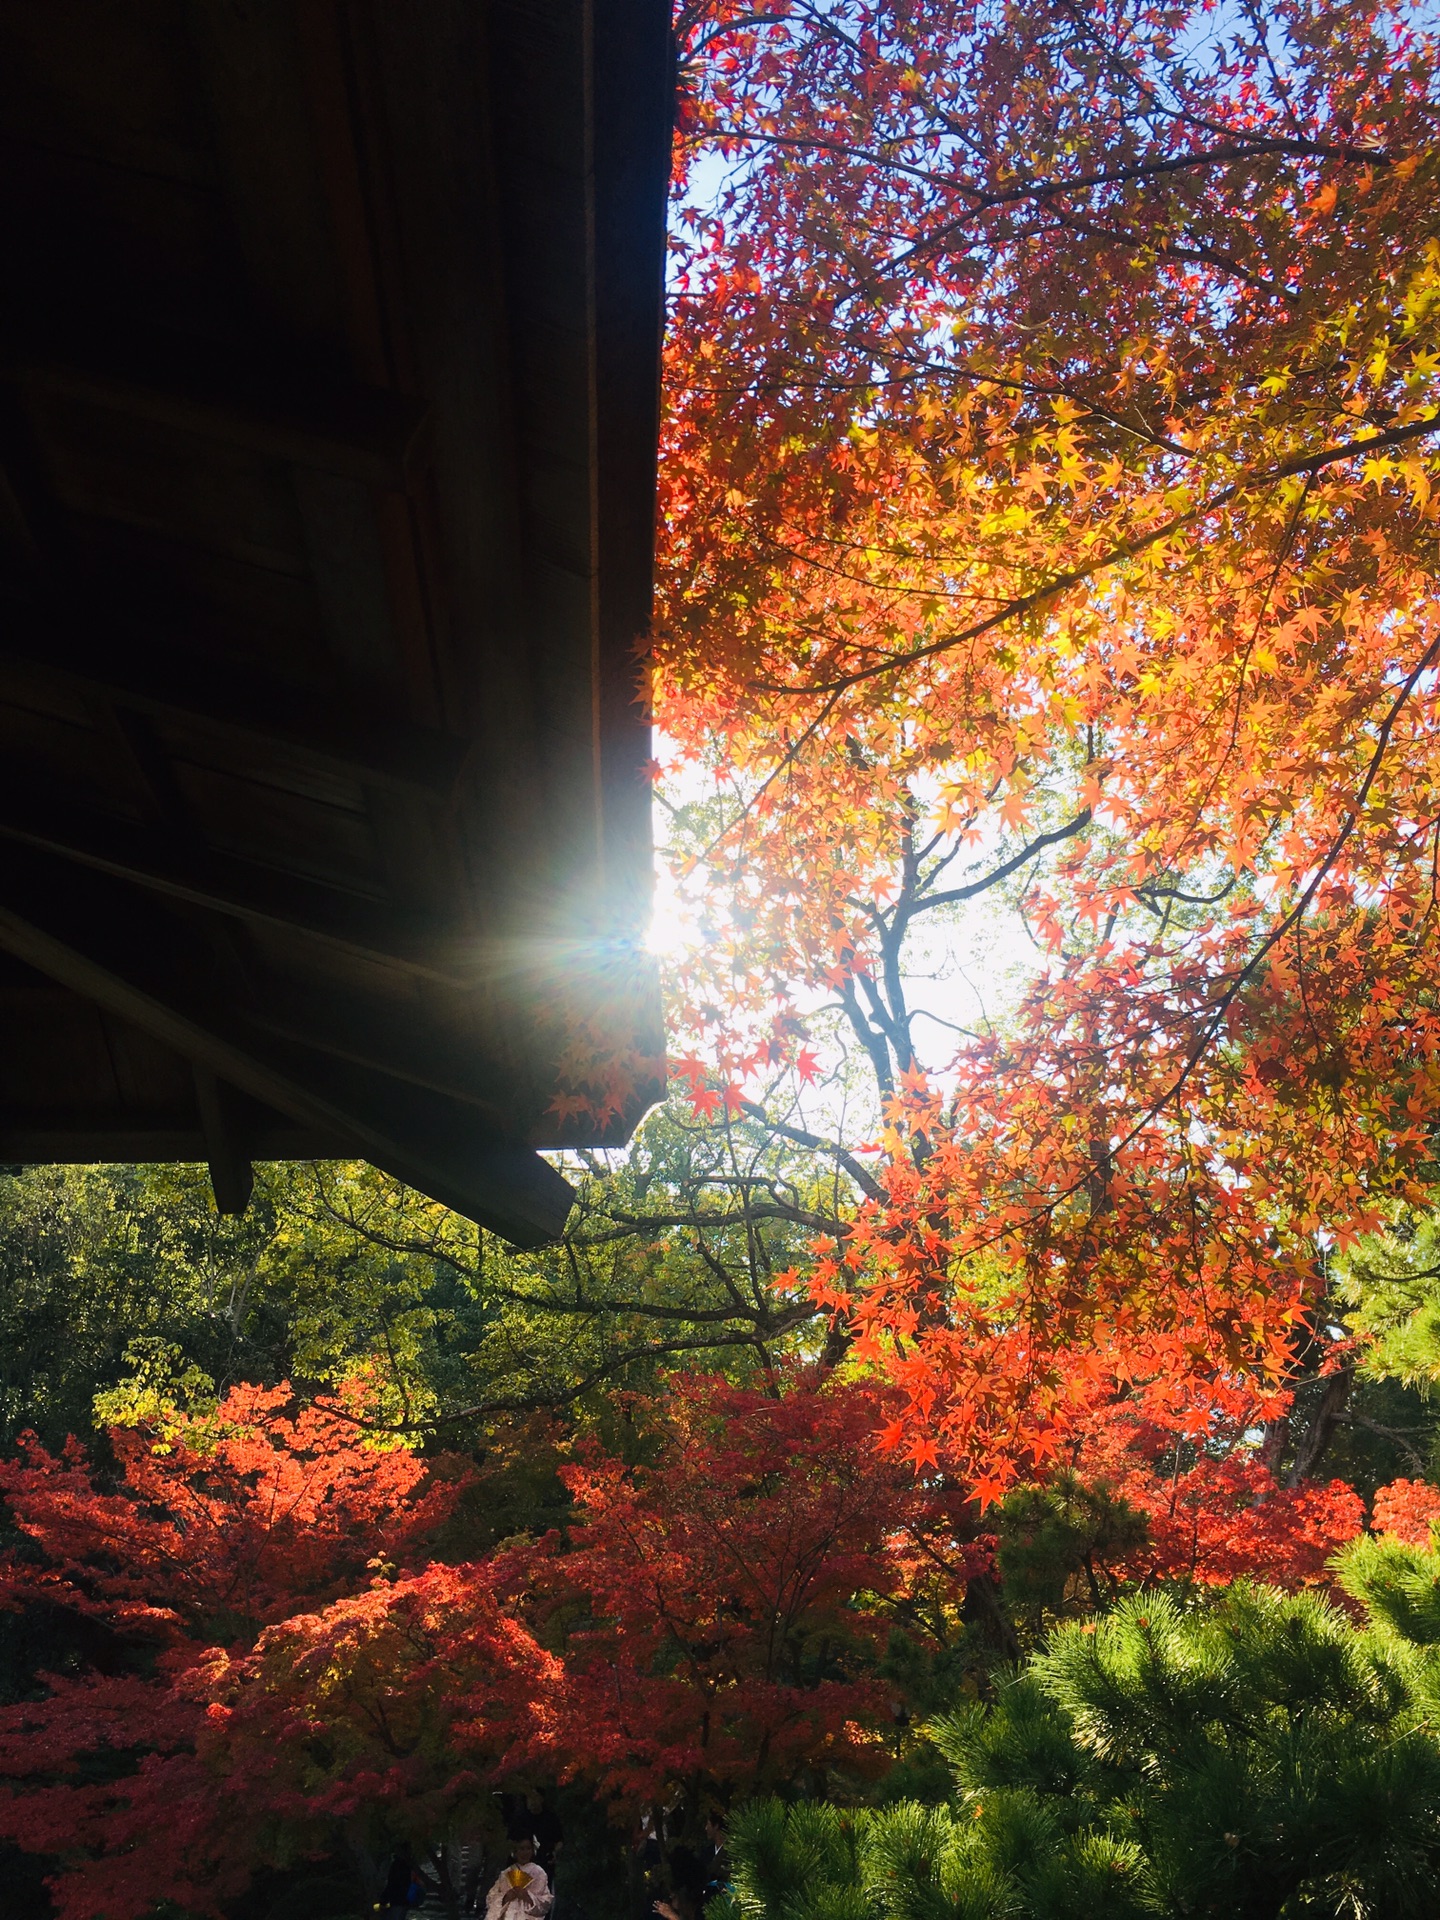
pixel 1049 496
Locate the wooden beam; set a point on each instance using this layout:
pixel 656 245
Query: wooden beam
pixel 117 948
pixel 362 433
pixel 88 649
pixel 262 895
pixel 50 1138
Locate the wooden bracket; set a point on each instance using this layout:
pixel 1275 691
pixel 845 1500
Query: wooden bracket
pixel 232 1178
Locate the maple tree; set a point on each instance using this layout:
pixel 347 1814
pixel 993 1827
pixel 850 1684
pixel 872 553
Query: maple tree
pixel 1141 1508
pixel 387 1715
pixel 724 1602
pixel 1048 505
pixel 226 1541
pixel 1407 1510
pixel 221 1522
pixel 1049 518
pixel 286 1639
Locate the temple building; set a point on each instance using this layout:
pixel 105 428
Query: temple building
pixel 329 366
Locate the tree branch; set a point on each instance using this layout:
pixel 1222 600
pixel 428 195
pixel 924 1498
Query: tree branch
pixel 1026 854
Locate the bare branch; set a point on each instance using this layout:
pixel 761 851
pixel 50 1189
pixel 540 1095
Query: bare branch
pixel 1053 838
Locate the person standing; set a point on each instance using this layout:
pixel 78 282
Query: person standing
pixel 404 1890
pixel 522 1891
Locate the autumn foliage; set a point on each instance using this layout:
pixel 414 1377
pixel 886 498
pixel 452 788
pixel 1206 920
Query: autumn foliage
pixel 231 1549
pixel 221 1523
pixel 1050 501
pixel 723 1603
pixel 1408 1511
pixel 1217 1515
pixel 280 1635
pixel 287 1640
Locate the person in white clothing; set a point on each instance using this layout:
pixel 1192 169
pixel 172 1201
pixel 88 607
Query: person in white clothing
pixel 527 1899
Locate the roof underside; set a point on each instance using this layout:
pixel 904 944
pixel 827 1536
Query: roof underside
pixel 329 337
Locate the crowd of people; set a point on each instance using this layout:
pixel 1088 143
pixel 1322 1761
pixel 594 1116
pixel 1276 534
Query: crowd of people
pixel 672 1877
pixel 678 1878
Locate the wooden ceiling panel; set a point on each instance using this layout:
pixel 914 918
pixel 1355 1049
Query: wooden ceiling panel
pixel 279 829
pixel 189 739
pixel 156 252
pixel 55 1055
pixel 53 757
pixel 249 618
pixel 112 84
pixel 185 486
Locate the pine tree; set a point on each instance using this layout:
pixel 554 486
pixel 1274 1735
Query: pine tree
pixel 1256 1757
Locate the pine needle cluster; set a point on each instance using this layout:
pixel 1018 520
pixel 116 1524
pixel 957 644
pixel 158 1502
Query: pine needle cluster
pixel 1260 1756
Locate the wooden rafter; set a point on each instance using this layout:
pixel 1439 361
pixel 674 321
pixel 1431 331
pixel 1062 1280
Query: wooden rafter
pixel 243 889
pixel 98 938
pixel 92 650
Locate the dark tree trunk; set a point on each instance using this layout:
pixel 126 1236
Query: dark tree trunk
pixel 1314 1442
pixel 983 1609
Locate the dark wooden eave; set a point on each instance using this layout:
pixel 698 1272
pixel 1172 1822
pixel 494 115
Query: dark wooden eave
pixel 329 337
